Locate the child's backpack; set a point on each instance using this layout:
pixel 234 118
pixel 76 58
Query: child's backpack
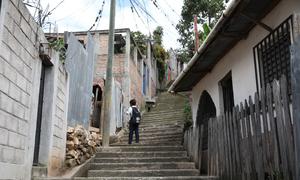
pixel 136 115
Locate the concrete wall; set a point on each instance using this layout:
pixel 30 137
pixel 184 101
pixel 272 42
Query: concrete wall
pixel 54 122
pixel 20 69
pixel 240 61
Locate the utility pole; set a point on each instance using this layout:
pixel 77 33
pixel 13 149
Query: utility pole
pixel 196 33
pixel 108 82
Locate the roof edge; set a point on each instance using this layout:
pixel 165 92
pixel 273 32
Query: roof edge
pixel 228 11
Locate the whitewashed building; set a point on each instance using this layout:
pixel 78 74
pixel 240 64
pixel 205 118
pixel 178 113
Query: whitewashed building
pixel 248 47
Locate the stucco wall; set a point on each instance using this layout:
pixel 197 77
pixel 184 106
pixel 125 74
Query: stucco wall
pixel 20 69
pixel 240 61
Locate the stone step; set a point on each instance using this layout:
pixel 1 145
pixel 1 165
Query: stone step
pixel 148 178
pixel 159 121
pixel 155 141
pixel 143 154
pixel 160 130
pixel 132 148
pixel 149 143
pixel 153 137
pixel 143 173
pixel 165 128
pixel 142 166
pixel 164 112
pixel 140 159
pixel 156 133
pixel 162 126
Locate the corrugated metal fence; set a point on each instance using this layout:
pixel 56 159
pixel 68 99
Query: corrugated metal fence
pixel 80 66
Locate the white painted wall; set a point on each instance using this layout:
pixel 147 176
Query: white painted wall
pixel 240 61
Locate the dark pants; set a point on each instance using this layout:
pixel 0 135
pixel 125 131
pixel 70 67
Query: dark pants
pixel 133 127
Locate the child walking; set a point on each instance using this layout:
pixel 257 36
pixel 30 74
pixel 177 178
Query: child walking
pixel 135 117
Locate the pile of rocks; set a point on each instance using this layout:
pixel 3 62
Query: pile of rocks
pixel 81 145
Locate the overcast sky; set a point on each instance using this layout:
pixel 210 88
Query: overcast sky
pixel 79 15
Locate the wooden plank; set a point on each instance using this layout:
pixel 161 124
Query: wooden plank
pixel 274 153
pixel 196 146
pixel 226 159
pixel 267 161
pixel 209 147
pixel 220 148
pixel 228 145
pixel 258 136
pixel 238 138
pixel 231 143
pixel 250 138
pixel 280 125
pixel 200 147
pixel 243 142
pixel 288 127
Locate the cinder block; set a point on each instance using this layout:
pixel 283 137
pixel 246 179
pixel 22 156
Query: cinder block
pixel 16 2
pixel 14 12
pixel 4 136
pixel 10 72
pixel 28 76
pixel 12 123
pixel 26 57
pixel 23 128
pixel 24 11
pixel 4 84
pixel 25 28
pixel 17 63
pixel 34 26
pixel 18 110
pixel 8 154
pixel 9 22
pixel 3 116
pixel 21 82
pixel 6 103
pixel 18 34
pixel 25 99
pixel 19 156
pixel 14 92
pixel 14 139
pixel 14 45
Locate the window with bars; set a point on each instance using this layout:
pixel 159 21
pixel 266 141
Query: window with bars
pixel 272 54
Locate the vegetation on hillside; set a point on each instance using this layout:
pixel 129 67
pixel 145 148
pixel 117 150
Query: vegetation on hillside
pixel 208 12
pixel 159 52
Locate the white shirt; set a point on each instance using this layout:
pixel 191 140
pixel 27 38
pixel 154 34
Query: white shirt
pixel 129 111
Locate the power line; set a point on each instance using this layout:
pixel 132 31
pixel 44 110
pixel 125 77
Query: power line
pixel 154 2
pixel 98 16
pixel 144 10
pixel 172 9
pixel 133 8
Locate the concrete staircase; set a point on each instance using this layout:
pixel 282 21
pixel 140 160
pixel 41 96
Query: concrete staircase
pixel 159 155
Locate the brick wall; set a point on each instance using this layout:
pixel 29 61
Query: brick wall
pixel 136 83
pixel 19 84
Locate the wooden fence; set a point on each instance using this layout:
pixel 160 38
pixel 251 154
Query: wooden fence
pixel 254 141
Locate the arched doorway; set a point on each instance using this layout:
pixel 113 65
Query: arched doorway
pixel 97 102
pixel 206 110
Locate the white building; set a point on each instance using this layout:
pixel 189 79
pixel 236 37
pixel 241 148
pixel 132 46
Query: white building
pixel 248 47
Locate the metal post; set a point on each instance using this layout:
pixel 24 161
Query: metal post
pixel 108 84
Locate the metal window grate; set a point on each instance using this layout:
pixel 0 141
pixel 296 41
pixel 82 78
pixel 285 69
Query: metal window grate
pixel 272 54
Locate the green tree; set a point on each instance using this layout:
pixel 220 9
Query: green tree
pixel 160 54
pixel 207 11
pixel 140 39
